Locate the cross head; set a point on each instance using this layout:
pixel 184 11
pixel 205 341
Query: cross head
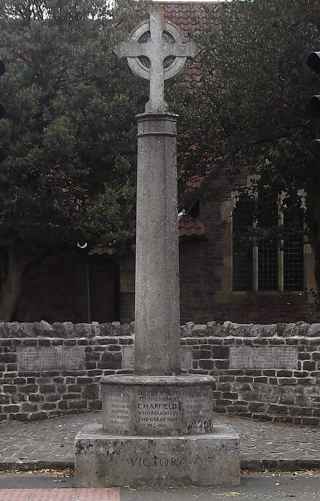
pixel 156 52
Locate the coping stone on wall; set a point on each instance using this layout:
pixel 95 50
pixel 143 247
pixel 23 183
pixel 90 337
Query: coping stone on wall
pixel 186 329
pixel 314 330
pixel 190 330
pixel 264 330
pixel 295 329
pixel 42 328
pixel 199 330
pixel 230 329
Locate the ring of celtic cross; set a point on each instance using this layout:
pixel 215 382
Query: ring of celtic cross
pixel 172 65
pixel 156 52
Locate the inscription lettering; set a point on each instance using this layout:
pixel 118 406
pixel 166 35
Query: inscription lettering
pixel 158 409
pixel 177 461
pixel 118 411
pixel 200 426
pixel 194 407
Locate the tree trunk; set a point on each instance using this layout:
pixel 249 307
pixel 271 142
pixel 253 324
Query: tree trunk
pixel 13 267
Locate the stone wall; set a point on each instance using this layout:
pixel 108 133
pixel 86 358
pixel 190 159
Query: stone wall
pixel 269 372
pixel 47 370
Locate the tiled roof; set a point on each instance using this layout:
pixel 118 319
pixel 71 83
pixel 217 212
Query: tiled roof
pixel 191 227
pixel 194 183
pixel 190 17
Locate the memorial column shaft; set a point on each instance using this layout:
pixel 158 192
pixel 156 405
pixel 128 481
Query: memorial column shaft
pixel 157 302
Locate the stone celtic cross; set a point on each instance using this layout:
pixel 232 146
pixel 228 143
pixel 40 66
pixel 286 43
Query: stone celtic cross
pixel 156 52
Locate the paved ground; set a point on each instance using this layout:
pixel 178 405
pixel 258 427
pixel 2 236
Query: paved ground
pixel 59 494
pixel 263 487
pixel 52 440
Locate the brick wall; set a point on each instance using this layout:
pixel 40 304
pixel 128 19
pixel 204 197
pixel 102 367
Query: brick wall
pixel 270 372
pixel 206 272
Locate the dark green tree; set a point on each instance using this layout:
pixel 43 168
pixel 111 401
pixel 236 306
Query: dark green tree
pixel 67 144
pixel 67 141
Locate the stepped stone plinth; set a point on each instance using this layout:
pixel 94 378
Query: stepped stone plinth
pixel 157 430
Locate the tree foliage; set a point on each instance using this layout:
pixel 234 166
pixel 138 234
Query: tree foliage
pixel 249 112
pixel 67 148
pixel 67 142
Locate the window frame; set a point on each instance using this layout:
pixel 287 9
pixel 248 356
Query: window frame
pixel 280 251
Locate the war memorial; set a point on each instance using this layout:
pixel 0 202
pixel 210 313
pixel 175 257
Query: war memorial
pixel 157 424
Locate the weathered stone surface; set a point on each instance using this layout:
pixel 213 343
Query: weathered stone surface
pixel 199 330
pixel 65 329
pixel 265 330
pixel 186 358
pixel 128 357
pixel 34 359
pixel 42 328
pixel 149 405
pixel 156 49
pixel 295 329
pixel 157 319
pixel 293 387
pixel 243 330
pixel 116 329
pixel 273 357
pixel 314 330
pixel 87 330
pixel 203 460
pixel 125 329
pixel 186 330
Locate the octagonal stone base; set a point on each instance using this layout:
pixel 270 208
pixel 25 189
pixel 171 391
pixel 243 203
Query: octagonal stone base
pixel 104 460
pixel 157 405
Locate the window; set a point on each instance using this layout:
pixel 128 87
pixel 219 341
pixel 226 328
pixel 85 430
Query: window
pixel 268 243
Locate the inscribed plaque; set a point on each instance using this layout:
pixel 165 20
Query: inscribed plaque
pixel 267 357
pixel 53 358
pixel 158 409
pixel 117 412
